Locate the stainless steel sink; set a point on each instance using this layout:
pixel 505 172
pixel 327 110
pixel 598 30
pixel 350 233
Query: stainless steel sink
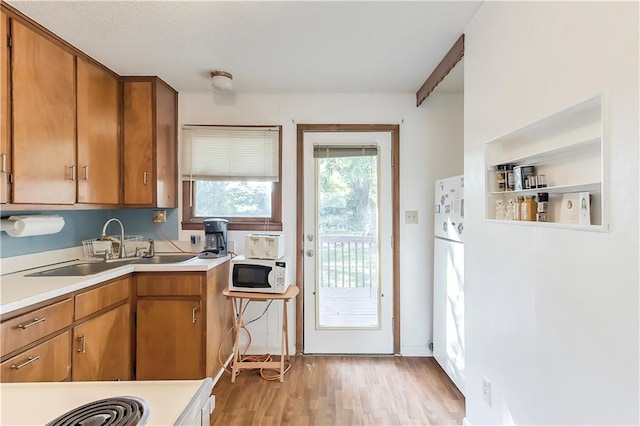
pixel 165 258
pixel 78 269
pixel 90 268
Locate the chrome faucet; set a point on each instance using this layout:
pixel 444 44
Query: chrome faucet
pixel 122 252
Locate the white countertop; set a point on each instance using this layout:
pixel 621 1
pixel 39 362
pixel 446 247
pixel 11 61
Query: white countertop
pixel 39 403
pixel 18 291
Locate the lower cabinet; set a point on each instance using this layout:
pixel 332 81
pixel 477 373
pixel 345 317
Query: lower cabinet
pixel 169 339
pixel 182 323
pixel 47 362
pixel 102 347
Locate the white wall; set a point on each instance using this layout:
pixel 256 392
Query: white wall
pixel 421 162
pixel 552 314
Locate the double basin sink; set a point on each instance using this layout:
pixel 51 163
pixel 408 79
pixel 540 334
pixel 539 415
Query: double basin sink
pixel 90 268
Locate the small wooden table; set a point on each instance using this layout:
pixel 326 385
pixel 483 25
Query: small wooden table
pixel 244 298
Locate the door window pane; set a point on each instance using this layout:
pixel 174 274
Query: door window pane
pixel 347 259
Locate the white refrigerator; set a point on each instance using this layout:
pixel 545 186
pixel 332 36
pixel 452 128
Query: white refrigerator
pixel 448 278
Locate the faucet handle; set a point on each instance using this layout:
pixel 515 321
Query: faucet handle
pixel 151 252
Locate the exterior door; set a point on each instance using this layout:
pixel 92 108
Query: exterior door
pixel 348 268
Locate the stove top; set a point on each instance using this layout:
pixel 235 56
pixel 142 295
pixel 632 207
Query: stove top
pixel 115 411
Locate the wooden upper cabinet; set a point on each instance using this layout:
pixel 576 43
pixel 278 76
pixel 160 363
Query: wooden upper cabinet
pixel 44 119
pixel 98 145
pixel 150 143
pixel 5 107
pixel 138 143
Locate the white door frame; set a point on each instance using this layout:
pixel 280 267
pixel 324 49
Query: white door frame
pixel 395 174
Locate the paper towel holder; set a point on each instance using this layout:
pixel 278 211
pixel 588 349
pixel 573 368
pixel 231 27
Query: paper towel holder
pixel 31 225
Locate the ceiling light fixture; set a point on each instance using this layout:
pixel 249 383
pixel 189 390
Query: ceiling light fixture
pixel 221 80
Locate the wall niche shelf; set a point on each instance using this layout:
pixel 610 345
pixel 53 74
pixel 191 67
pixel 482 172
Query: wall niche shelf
pixel 568 149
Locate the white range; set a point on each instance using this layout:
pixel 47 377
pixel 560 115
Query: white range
pixel 175 402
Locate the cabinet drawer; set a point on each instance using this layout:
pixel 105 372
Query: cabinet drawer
pixel 48 362
pixel 20 331
pixel 169 285
pixel 102 297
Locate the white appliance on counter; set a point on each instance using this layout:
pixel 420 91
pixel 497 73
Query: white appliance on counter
pixel 264 246
pixel 448 278
pixel 176 402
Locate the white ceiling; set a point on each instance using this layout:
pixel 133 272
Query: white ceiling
pixel 269 47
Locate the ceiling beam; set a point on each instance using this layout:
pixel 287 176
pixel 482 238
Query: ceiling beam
pixel 447 63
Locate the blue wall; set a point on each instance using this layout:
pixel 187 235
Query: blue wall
pixel 87 224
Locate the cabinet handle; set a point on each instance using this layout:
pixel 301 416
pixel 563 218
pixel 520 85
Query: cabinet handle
pixel 32 323
pixel 193 315
pixel 86 172
pixel 4 163
pixel 145 178
pixel 72 173
pixel 83 344
pixel 27 362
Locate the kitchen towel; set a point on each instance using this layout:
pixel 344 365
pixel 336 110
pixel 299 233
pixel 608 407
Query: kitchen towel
pixel 26 226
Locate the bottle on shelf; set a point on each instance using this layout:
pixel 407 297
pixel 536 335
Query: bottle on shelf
pixel 517 212
pixel 543 207
pixel 529 209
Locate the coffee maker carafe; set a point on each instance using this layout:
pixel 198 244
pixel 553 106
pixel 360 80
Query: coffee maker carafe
pixel 215 236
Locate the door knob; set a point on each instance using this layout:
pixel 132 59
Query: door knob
pixel 309 253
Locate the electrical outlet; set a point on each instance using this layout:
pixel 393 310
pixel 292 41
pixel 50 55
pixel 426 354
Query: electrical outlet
pixel 159 216
pixel 486 391
pixel 411 216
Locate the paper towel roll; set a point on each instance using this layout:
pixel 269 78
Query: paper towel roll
pixel 26 226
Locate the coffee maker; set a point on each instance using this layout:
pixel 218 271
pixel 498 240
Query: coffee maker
pixel 215 238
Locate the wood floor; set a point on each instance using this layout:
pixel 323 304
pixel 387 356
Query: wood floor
pixel 342 390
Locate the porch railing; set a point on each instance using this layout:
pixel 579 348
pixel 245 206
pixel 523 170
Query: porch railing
pixel 347 261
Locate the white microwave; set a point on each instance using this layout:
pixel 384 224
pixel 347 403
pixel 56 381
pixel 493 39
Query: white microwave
pixel 259 275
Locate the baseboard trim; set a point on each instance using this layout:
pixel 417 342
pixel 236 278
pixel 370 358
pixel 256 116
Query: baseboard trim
pixel 221 371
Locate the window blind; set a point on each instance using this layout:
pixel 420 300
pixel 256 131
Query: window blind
pixel 337 151
pixel 230 153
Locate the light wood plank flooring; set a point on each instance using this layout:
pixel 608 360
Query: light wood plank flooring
pixel 342 390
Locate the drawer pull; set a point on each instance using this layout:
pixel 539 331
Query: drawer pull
pixel 83 344
pixel 145 178
pixel 32 323
pixel 27 362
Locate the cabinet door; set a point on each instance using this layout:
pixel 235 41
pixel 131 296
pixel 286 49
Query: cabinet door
pixel 166 144
pixel 102 347
pixel 43 120
pixel 5 105
pixel 98 148
pixel 139 177
pixel 47 362
pixel 169 340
